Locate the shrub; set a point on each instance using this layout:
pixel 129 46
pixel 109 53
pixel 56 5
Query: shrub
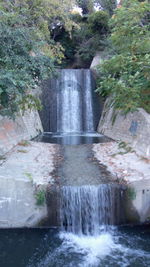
pixel 98 22
pixel 126 74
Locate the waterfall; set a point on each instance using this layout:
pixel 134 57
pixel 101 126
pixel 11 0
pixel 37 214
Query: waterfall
pixel 88 103
pixel 74 102
pixel 69 107
pixel 69 103
pixel 84 209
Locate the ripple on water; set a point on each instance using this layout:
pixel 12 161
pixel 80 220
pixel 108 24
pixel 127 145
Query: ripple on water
pixel 105 250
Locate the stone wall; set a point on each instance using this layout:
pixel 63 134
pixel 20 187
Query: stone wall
pixel 133 128
pixel 22 128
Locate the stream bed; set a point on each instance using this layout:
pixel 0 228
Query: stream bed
pixel 122 246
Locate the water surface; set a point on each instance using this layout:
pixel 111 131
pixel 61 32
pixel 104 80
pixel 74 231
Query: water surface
pixel 72 138
pixel 125 247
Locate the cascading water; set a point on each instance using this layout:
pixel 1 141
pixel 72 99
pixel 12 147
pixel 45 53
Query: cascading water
pixel 87 212
pixel 71 109
pixel 84 209
pixel 69 103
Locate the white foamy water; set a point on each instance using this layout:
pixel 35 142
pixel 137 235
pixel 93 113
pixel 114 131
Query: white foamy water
pixel 111 248
pixel 93 248
pixel 103 250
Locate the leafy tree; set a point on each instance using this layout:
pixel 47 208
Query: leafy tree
pixel 126 75
pixel 91 37
pixel 85 40
pixel 86 5
pixel 98 22
pixel 107 5
pixel 27 53
pixel 22 66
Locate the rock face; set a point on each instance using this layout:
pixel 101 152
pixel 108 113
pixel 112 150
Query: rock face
pixel 22 128
pixel 98 59
pixel 133 128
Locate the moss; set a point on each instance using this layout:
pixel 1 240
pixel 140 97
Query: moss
pixel 40 197
pixel 131 193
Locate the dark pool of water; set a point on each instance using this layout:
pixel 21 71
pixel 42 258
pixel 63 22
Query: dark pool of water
pixel 123 247
pixel 72 138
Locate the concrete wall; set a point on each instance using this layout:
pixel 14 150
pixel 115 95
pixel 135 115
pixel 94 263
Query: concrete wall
pixel 18 205
pixel 138 202
pixel 134 128
pixel 24 174
pixel 22 128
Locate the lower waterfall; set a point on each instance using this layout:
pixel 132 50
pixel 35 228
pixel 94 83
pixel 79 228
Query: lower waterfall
pixel 85 209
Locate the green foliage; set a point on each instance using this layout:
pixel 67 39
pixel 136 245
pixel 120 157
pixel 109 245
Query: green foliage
pixel 126 74
pixel 131 193
pixel 86 39
pixel 87 49
pixel 86 5
pixel 107 5
pixel 27 54
pixel 40 197
pixel 98 22
pixel 20 72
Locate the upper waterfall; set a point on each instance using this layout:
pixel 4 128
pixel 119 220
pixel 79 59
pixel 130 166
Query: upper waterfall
pixel 74 102
pixel 69 102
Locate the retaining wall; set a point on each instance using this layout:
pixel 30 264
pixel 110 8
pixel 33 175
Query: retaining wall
pixel 22 128
pixel 133 128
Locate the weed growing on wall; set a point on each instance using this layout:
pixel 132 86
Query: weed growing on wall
pixel 40 197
